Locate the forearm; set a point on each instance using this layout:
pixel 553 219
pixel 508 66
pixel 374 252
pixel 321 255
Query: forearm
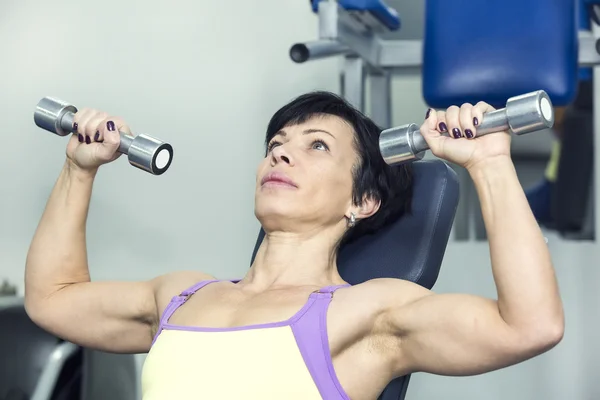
pixel 57 256
pixel 528 295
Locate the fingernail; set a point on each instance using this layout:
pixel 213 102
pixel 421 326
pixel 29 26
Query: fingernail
pixel 80 137
pixel 456 133
pixel 75 126
pixel 87 140
pixel 110 125
pixel 96 136
pixel 428 113
pixel 443 127
pixel 475 121
pixel 469 133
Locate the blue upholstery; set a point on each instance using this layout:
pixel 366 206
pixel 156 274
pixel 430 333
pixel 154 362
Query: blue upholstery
pixel 411 248
pixel 492 50
pixel 381 11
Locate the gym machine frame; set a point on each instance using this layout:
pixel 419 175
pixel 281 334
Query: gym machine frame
pixel 367 55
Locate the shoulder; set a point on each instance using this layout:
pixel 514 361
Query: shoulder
pixel 364 314
pixel 383 295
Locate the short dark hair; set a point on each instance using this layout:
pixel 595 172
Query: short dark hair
pixel 372 176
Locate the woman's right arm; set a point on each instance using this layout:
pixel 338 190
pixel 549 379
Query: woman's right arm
pixel 60 297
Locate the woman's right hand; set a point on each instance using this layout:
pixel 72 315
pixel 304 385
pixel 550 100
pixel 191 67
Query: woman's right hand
pixel 95 139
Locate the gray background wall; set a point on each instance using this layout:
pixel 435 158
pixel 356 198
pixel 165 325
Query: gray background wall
pixel 207 76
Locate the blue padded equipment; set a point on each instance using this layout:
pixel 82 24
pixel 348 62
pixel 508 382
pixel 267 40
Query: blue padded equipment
pixel 492 50
pixel 385 14
pixel 410 248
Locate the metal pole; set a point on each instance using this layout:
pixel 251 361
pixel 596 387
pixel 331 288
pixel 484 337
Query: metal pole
pixel 353 88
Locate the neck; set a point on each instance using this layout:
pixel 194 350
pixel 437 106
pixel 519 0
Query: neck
pixel 292 260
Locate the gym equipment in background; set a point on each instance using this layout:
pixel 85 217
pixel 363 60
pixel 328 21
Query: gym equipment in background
pixel 523 114
pixel 143 152
pixel 489 54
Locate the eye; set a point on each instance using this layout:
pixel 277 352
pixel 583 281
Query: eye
pixel 272 145
pixel 319 145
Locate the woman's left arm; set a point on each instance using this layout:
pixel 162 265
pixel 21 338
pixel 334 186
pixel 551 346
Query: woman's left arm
pixel 459 334
pixel 528 295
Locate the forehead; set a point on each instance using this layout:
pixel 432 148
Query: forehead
pixel 336 126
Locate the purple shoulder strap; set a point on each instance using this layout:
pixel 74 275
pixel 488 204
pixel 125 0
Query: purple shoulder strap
pixel 311 336
pixel 331 289
pixel 178 300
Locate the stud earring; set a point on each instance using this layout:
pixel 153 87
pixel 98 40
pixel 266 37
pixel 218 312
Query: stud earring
pixel 352 220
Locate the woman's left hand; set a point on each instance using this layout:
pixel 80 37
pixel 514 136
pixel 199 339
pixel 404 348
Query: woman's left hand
pixel 462 146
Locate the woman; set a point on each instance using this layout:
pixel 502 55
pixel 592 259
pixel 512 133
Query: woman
pixel 279 332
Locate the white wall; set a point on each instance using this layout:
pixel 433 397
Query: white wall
pixel 207 76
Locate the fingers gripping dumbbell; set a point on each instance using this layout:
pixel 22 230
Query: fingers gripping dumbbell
pixel 523 114
pixel 144 152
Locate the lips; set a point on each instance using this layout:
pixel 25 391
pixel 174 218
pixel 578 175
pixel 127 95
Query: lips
pixel 277 178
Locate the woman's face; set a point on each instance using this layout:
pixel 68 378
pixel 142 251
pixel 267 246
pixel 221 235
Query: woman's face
pixel 305 181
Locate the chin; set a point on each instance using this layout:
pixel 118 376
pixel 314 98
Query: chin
pixel 270 210
pixel 273 213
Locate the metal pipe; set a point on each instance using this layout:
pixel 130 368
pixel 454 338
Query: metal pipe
pixel 302 52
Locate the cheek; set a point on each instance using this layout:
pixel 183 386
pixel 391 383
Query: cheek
pixel 333 180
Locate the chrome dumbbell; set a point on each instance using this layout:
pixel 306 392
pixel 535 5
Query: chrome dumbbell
pixel 523 114
pixel 144 152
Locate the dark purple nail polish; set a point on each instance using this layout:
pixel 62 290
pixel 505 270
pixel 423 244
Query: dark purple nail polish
pixel 110 125
pixel 428 113
pixel 96 136
pixel 456 133
pixel 443 127
pixel 75 126
pixel 87 140
pixel 469 133
pixel 475 121
pixel 80 137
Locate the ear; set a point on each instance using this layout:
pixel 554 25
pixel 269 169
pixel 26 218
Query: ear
pixel 368 207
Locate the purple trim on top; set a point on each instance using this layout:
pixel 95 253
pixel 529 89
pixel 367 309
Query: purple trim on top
pixel 311 337
pixel 289 321
pixel 176 302
pixel 327 351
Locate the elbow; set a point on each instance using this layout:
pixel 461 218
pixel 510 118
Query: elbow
pixel 558 331
pixel 33 310
pixel 553 330
pixel 551 336
pixel 544 337
pixel 36 307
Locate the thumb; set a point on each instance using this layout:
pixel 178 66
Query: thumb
pixel 112 140
pixel 431 120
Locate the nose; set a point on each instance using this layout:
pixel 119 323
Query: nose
pixel 281 154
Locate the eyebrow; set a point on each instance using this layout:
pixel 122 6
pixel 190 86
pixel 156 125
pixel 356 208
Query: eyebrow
pixel 306 132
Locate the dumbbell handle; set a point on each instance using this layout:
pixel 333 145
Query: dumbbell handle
pixel 494 121
pixel 523 114
pixel 68 119
pixel 143 151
